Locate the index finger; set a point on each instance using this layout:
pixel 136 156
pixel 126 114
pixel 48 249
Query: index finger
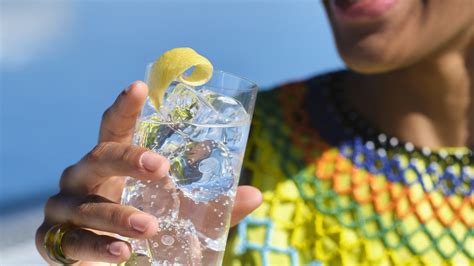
pixel 118 121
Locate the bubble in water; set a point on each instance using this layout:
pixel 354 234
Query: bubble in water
pixel 167 240
pixel 178 242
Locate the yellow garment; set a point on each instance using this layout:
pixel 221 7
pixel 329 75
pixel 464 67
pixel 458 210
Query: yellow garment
pixel 321 209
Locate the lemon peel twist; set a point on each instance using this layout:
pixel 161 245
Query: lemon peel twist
pixel 171 66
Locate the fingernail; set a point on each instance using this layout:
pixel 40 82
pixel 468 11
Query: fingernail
pixel 128 89
pixel 140 222
pixel 150 161
pixel 115 248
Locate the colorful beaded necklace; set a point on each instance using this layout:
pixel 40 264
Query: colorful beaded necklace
pixel 378 153
pixel 436 186
pixel 365 196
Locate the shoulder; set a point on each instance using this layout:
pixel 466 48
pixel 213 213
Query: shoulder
pixel 296 92
pixel 294 105
pixel 284 133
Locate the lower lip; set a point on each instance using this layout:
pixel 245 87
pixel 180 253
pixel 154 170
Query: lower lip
pixel 362 9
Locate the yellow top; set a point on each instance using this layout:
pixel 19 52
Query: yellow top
pixel 334 196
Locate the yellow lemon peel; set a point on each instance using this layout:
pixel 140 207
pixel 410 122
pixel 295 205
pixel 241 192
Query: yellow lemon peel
pixel 170 67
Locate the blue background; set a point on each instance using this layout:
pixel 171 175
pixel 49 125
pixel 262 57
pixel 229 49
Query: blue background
pixel 64 62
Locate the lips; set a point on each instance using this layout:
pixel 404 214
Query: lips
pixel 361 9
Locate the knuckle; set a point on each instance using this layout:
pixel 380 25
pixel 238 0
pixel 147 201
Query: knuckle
pixel 119 133
pixel 40 233
pixel 57 209
pixel 87 210
pixel 93 198
pixel 67 171
pixel 98 152
pixel 117 217
pixel 84 209
pixel 50 205
pixel 131 154
pixel 97 247
pixel 66 177
pixel 106 113
pixel 83 213
pixel 39 238
pixel 72 242
pixel 130 115
pixel 99 155
pixel 87 207
pixel 51 202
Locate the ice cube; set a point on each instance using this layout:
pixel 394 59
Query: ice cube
pixel 235 138
pixel 156 197
pixel 229 109
pixel 201 133
pixel 168 140
pixel 203 170
pixel 184 104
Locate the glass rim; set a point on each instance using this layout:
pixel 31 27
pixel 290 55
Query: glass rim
pixel 252 85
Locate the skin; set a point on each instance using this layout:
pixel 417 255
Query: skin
pixel 413 78
pixel 90 190
pixel 413 70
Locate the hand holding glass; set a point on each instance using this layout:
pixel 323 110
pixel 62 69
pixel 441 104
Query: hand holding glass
pixel 203 132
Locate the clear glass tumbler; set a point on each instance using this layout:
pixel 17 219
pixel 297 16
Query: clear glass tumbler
pixel 203 132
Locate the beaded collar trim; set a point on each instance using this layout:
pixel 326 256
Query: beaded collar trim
pixel 447 170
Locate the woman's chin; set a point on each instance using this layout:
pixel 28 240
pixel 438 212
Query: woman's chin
pixel 370 62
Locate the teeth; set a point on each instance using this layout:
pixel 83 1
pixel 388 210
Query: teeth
pixel 346 2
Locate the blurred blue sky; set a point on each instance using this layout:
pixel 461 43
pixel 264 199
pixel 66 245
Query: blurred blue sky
pixel 63 62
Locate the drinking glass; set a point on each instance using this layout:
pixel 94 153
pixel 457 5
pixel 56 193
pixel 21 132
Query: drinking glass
pixel 203 132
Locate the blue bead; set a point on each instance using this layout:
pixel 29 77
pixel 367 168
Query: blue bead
pixel 377 161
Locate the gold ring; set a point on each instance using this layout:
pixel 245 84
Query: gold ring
pixel 53 240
